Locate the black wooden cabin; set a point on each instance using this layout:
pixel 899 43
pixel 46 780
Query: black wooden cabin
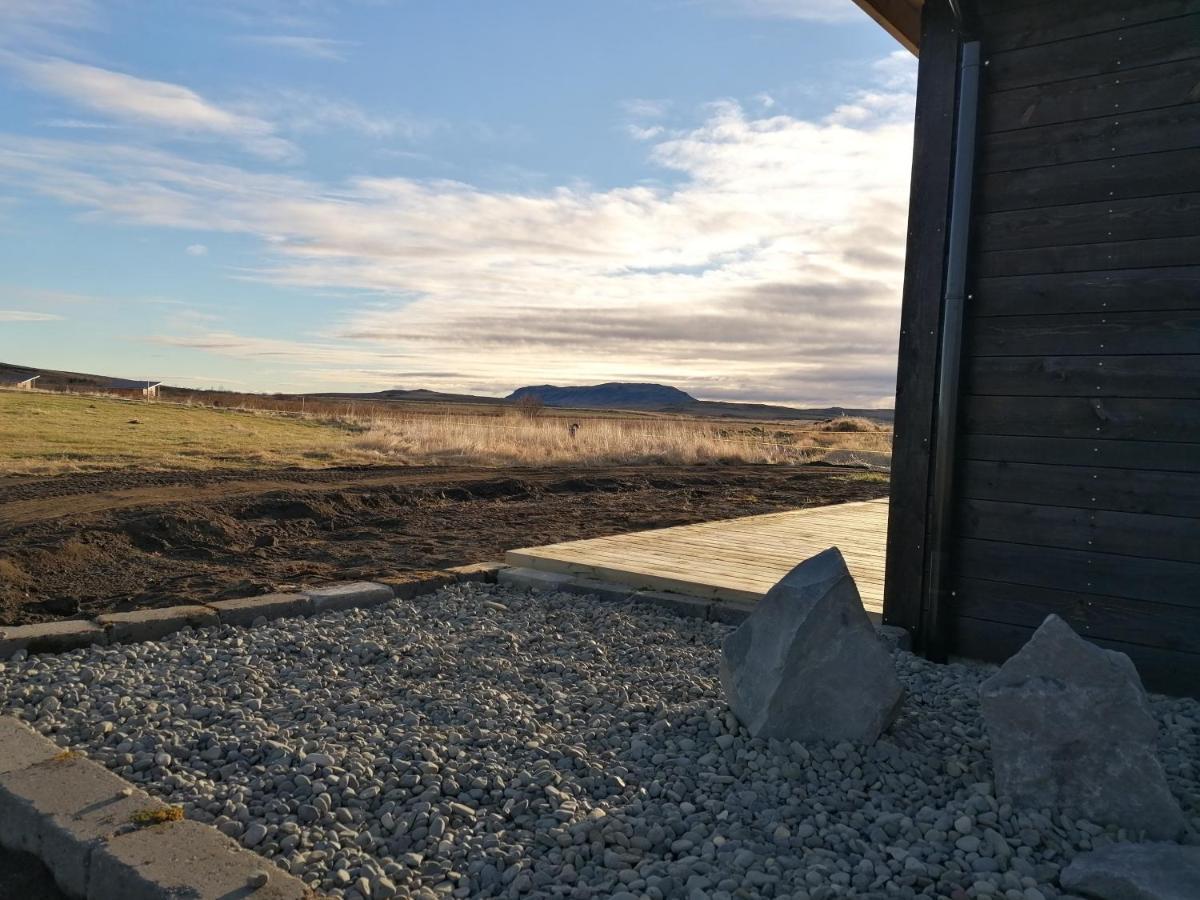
pixel 1047 447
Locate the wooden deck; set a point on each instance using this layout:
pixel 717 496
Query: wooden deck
pixel 731 559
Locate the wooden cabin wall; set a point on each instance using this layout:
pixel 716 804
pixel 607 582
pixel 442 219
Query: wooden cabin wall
pixel 1078 482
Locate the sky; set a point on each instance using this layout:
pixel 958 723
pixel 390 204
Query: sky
pixel 463 195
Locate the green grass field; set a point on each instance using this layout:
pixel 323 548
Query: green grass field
pixel 43 434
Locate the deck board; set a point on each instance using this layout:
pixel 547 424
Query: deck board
pixel 731 559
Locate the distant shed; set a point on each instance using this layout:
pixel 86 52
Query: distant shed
pixel 1047 432
pixel 17 381
pixel 124 387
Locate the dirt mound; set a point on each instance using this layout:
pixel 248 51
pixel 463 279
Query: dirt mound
pixel 208 539
pixel 198 531
pixel 286 507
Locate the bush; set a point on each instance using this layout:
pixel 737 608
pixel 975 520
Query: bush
pixel 849 423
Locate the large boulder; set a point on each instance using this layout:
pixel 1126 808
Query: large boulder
pixel 1135 872
pixel 1071 729
pixel 807 664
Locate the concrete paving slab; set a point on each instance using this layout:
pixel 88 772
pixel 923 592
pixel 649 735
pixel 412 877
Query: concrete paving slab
pixel 21 746
pixel 153 624
pixel 246 610
pixel 184 859
pixel 49 637
pixel 23 875
pixel 350 595
pixel 531 579
pixel 605 590
pixel 61 809
pixel 407 585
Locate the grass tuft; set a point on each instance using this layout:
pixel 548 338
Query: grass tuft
pixel 157 815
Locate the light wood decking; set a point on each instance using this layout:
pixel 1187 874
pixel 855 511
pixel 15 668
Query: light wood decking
pixel 731 559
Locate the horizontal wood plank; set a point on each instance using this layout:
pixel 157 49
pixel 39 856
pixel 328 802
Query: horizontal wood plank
pixel 1175 628
pixel 1086 334
pixel 1136 578
pixel 1093 181
pixel 1102 531
pixel 1169 84
pixel 1009 25
pixel 1149 455
pixel 1153 253
pixel 1122 290
pixel 1161 376
pixel 1099 53
pixel 1155 492
pixel 1099 418
pixel 1144 218
pixel 1107 138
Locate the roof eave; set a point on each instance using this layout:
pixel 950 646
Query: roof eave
pixel 901 18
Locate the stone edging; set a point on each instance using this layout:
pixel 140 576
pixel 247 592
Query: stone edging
pixel 101 838
pixel 154 624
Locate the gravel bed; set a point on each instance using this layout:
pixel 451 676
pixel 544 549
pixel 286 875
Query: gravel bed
pixel 484 742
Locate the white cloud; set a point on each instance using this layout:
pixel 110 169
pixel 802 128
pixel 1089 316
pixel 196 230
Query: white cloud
pixel 303 112
pixel 74 123
pixel 40 297
pixel 304 45
pixel 643 108
pixel 141 101
pixel 196 250
pixel 770 269
pixel 25 315
pixel 28 23
pixel 638 133
pixel 897 71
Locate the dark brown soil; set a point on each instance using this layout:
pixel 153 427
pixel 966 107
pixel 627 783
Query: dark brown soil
pixel 83 544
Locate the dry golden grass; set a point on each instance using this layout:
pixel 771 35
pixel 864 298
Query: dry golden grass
pixel 519 440
pixel 523 440
pixel 49 433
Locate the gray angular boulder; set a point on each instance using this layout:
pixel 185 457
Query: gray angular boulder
pixel 1135 872
pixel 807 664
pixel 1071 729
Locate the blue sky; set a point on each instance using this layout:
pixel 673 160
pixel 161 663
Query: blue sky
pixel 465 196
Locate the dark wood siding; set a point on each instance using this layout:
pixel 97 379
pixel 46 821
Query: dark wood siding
pixel 1078 485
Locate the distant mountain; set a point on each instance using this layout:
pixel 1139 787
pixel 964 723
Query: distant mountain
pixel 415 394
pixel 663 398
pixel 613 395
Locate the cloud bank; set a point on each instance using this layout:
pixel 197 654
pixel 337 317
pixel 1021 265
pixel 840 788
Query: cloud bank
pixel 769 270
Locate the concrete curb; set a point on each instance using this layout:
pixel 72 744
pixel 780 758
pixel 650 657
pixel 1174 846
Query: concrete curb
pixel 78 818
pixel 154 624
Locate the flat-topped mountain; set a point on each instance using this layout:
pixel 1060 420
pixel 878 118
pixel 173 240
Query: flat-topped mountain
pixel 664 398
pixel 613 395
